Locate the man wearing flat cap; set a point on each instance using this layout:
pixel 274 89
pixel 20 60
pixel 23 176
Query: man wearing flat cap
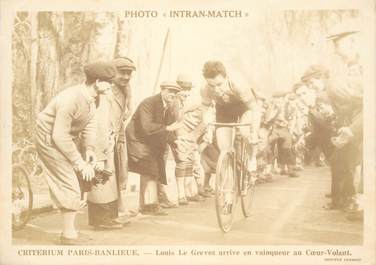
pixel 147 134
pixel 121 110
pixel 104 200
pixel 345 92
pixel 183 143
pixel 69 115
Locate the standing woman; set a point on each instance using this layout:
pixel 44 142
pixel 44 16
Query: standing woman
pixel 68 115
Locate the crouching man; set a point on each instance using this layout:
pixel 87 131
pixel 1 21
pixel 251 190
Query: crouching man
pixel 70 114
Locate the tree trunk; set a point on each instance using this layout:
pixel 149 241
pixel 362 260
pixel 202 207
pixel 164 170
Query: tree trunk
pixel 101 45
pixel 123 37
pixel 33 64
pixel 50 26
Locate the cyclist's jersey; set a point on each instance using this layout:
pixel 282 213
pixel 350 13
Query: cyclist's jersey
pixel 233 106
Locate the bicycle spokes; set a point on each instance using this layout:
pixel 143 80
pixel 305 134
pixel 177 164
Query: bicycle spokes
pixel 225 191
pixel 22 197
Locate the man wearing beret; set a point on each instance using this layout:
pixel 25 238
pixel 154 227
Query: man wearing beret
pixel 121 110
pixel 345 92
pixel 68 115
pixel 147 143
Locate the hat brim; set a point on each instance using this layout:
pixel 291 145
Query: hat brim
pixel 340 35
pixel 126 68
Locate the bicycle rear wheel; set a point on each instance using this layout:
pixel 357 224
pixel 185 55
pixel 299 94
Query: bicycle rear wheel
pixel 22 197
pixel 247 183
pixel 225 190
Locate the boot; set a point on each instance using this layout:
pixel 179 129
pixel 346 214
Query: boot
pixel 291 172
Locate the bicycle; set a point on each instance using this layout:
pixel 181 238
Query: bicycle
pixel 25 165
pixel 232 178
pixel 22 197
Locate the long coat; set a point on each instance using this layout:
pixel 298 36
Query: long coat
pixel 345 91
pixel 147 138
pixel 104 149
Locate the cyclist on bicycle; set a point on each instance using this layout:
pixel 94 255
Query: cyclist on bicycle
pixel 234 102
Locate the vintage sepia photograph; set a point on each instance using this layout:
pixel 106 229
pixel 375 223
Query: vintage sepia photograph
pixel 226 125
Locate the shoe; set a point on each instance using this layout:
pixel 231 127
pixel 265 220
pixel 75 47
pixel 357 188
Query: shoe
pixel 206 194
pixel 293 174
pixel 123 220
pixel 82 239
pixel 268 178
pixel 168 205
pixel 196 198
pixel 128 213
pixel 355 216
pixel 111 225
pixel 332 206
pixel 156 211
pixel 351 207
pixel 209 189
pixel 183 201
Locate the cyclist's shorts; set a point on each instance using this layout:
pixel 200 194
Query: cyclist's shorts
pixel 230 112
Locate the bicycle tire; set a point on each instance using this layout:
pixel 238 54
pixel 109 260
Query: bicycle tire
pixel 225 171
pixel 246 193
pixel 29 158
pixel 22 197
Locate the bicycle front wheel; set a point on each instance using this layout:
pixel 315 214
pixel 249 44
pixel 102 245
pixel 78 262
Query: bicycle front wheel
pixel 22 197
pixel 225 190
pixel 247 183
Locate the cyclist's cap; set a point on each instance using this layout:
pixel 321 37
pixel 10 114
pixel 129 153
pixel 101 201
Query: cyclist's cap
pixel 184 81
pixel 170 85
pixel 124 63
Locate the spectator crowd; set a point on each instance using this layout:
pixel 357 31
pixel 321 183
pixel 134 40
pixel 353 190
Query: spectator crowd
pixel 90 132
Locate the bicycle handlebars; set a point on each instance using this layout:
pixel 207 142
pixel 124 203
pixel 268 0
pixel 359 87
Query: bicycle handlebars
pixel 229 124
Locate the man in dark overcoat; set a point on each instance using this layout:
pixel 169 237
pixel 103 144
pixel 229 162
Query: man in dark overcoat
pixel 147 135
